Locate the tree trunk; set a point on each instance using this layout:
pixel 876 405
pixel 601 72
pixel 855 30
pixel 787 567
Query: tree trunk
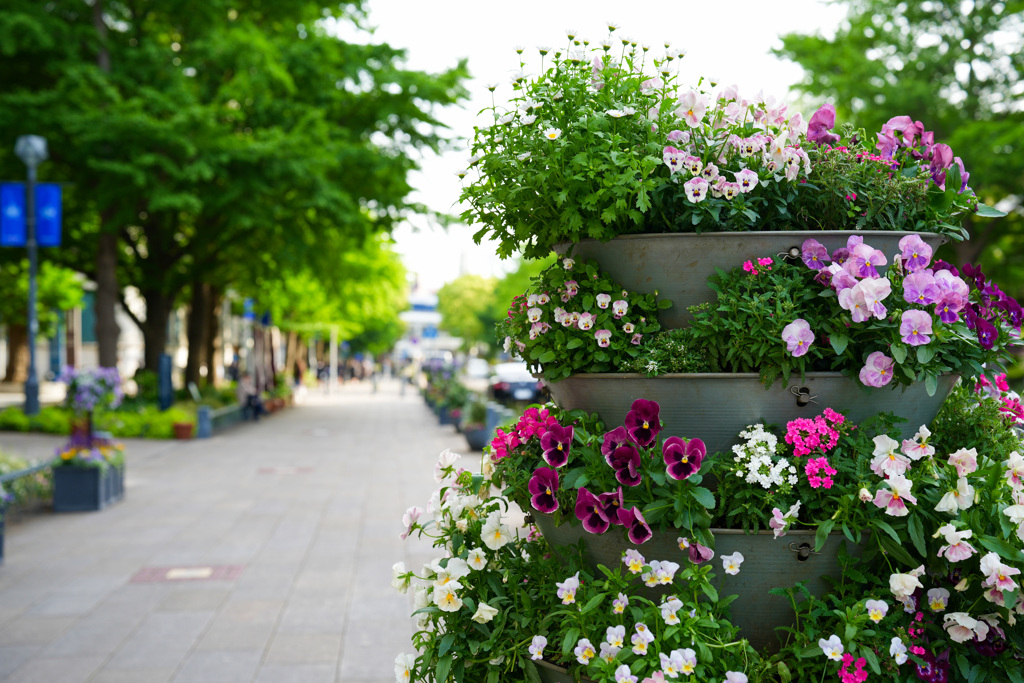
pixel 211 338
pixel 154 328
pixel 17 353
pixel 291 355
pixel 107 329
pixel 195 324
pixel 107 293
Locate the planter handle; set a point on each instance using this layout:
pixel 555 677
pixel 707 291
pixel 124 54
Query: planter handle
pixel 792 253
pixel 803 551
pixel 803 396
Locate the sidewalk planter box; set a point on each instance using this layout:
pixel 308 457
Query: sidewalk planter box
pixel 83 489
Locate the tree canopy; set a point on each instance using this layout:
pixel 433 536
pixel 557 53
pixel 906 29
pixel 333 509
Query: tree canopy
pixel 232 143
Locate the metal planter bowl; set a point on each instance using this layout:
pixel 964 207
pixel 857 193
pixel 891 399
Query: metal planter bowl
pixel 716 407
pixel 678 265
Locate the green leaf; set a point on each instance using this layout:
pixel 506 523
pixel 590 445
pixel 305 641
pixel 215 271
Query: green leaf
pixel 916 530
pixel 446 644
pixel 899 353
pixel 574 343
pixel 989 211
pixel 710 591
pixel 839 343
pixel 444 665
pixel 924 354
pixel 784 673
pixel 570 640
pixel 821 535
pixel 547 357
pixel 704 497
pixel 1002 548
pixel 931 384
pixel 593 603
pixel 896 551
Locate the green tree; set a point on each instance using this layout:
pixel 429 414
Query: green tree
pixel 58 290
pixel 211 142
pixel 464 305
pixel 955 66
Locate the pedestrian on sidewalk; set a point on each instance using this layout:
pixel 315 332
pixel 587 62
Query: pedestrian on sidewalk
pixel 249 398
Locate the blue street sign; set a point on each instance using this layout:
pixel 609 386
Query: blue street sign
pixel 248 309
pixel 12 215
pixel 48 214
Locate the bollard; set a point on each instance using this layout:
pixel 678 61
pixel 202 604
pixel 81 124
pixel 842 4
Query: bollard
pixel 204 423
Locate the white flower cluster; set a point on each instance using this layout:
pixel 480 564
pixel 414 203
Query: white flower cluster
pixel 756 460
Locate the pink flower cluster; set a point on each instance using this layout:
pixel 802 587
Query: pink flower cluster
pixel 534 423
pixel 999 390
pixel 818 435
pixel 812 469
pixel 765 263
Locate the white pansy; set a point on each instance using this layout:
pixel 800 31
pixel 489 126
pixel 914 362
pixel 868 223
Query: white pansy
pixel 484 613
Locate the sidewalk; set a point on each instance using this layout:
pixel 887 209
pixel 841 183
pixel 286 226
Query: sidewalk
pixel 263 554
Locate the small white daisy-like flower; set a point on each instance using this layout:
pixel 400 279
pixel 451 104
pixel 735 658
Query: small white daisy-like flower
pixel 543 49
pixel 507 118
pixel 492 86
pixel 528 119
pixel 519 49
pixel 612 25
pixel 524 156
pixel 552 133
pixel 462 173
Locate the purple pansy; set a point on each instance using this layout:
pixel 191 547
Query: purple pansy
pixel 590 511
pixel 625 460
pixel 543 485
pixel 636 525
pixel 877 370
pixel 699 553
pixel 987 333
pixel 642 422
pixel 611 503
pixel 556 442
pixel 682 458
pixel 942 158
pixel 915 253
pixel 863 261
pixel 822 121
pixel 915 326
pixel 798 337
pixel 612 440
pixel 920 288
pixel 814 254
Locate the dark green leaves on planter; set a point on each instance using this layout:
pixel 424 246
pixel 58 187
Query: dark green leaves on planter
pixel 916 531
pixel 821 535
pixel 704 497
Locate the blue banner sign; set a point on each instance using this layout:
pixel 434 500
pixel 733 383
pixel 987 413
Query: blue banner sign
pixel 12 215
pixel 48 214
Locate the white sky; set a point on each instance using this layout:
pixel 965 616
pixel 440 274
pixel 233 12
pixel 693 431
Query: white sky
pixel 727 40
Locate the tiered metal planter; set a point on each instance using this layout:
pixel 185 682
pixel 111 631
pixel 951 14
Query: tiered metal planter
pixel 716 407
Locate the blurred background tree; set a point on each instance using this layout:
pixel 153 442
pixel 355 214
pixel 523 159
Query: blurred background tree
pixel 214 145
pixel 955 66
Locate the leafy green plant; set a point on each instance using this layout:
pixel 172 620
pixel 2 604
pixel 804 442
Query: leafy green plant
pixel 14 419
pixel 600 328
pixel 605 141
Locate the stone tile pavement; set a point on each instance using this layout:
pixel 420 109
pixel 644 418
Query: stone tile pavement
pixel 296 517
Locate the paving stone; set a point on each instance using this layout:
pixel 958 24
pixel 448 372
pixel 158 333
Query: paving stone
pixel 317 534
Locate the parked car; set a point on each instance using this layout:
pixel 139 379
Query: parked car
pixel 514 382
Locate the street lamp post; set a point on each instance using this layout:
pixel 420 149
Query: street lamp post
pixel 31 149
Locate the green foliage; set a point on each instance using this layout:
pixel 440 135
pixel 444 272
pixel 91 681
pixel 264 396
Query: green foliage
pixel 223 146
pixel 670 351
pixel 58 290
pixel 601 328
pixel 464 304
pixel 972 420
pixel 955 66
